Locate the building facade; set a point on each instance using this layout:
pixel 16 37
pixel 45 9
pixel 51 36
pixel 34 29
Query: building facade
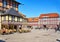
pixel 33 22
pixel 50 20
pixel 6 4
pixel 10 17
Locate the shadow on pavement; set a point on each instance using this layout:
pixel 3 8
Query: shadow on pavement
pixel 2 41
pixel 58 40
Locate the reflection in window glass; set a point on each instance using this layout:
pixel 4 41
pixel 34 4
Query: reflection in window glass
pixel 15 18
pixel 10 18
pixel 2 18
pixel 21 19
pixel 6 17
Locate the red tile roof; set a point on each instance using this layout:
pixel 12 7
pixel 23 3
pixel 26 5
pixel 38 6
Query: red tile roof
pixel 49 15
pixel 35 19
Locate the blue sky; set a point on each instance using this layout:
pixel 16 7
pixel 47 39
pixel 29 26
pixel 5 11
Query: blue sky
pixel 33 8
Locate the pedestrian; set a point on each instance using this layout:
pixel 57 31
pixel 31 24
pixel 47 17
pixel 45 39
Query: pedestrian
pixel 3 30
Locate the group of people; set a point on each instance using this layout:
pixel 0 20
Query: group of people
pixel 4 30
pixel 56 28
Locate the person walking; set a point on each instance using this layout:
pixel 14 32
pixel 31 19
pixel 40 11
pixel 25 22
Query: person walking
pixel 3 31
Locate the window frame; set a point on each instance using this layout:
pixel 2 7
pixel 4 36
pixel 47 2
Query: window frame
pixel 4 3
pixel 13 5
pixel 13 18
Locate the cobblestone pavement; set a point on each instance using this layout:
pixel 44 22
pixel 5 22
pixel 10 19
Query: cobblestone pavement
pixel 33 36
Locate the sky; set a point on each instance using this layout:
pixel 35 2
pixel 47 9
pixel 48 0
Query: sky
pixel 33 8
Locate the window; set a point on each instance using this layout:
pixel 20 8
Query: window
pixel 0 12
pixel 6 17
pixel 4 3
pixel 18 19
pixel 13 18
pixel 14 5
pixel 21 19
pixel 3 18
pixel 58 18
pixel 10 18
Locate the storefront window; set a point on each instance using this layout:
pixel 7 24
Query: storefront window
pixel 21 19
pixel 15 18
pixel 10 18
pixel 3 18
pixel 6 17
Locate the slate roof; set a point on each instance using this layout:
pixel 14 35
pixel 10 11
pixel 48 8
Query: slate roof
pixel 12 11
pixel 16 2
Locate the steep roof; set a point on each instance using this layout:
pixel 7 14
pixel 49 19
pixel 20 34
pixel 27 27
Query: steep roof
pixel 24 16
pixel 49 15
pixel 12 11
pixel 16 1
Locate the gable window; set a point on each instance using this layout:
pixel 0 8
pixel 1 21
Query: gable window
pixel 4 3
